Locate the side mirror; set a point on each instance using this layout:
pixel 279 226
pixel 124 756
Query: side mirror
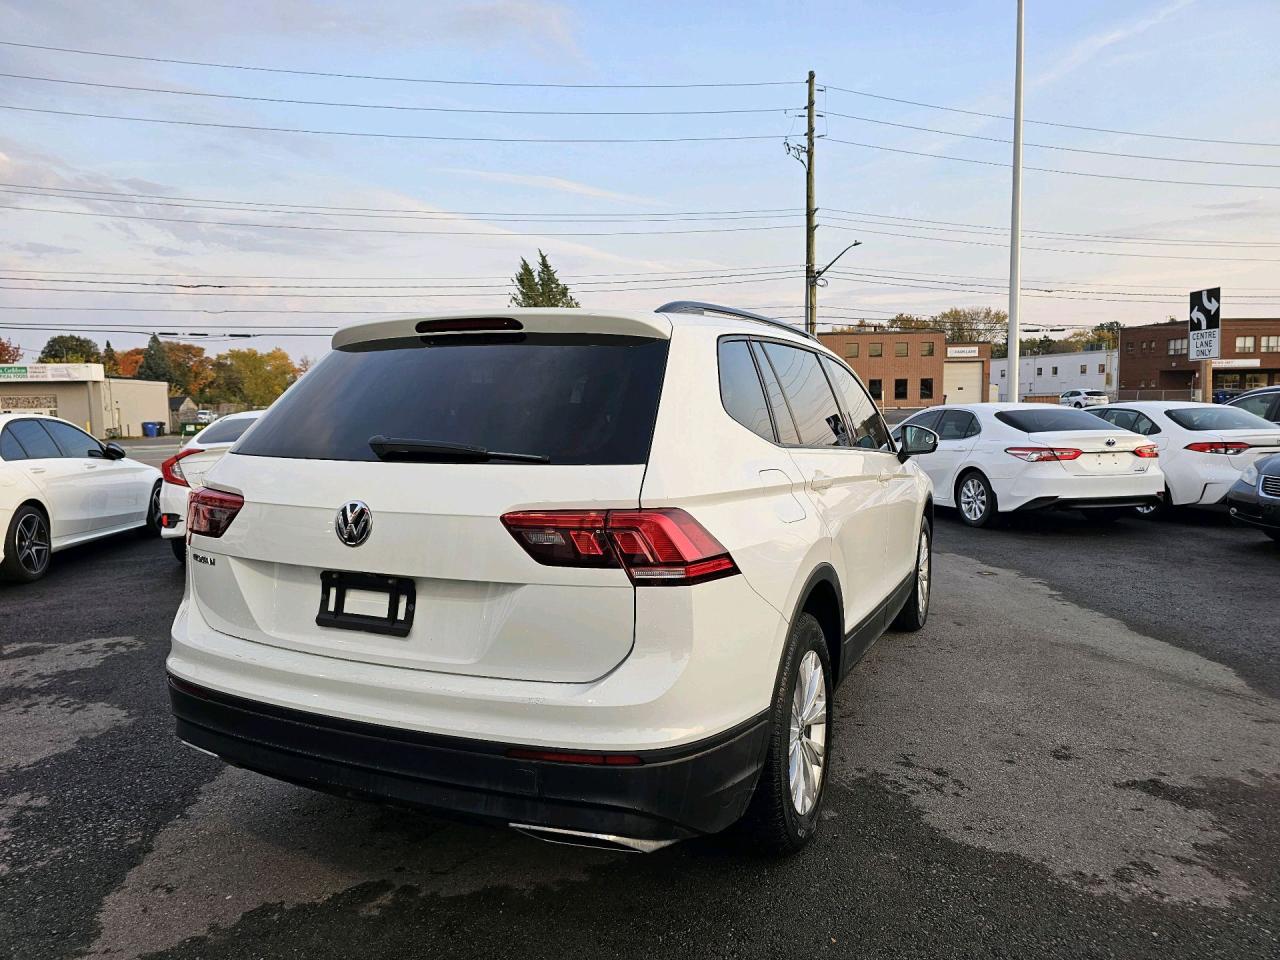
pixel 916 441
pixel 113 451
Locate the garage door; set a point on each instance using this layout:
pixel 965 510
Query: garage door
pixel 962 381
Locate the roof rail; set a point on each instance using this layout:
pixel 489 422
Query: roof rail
pixel 701 308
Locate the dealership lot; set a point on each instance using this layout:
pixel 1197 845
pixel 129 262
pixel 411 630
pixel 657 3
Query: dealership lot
pixel 1077 756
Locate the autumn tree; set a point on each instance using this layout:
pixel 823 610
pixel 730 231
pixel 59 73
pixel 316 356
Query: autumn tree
pixel 252 377
pixel 972 324
pixel 129 360
pixel 540 289
pixel 69 348
pixel 10 352
pixel 110 362
pixel 191 370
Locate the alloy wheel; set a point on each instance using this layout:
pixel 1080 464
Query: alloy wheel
pixel 31 541
pixel 973 499
pixel 807 746
pixel 923 571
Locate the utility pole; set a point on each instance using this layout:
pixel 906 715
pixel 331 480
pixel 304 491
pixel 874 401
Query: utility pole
pixel 810 224
pixel 1015 225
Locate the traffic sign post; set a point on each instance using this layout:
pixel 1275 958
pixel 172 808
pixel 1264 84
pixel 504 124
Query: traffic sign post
pixel 1204 335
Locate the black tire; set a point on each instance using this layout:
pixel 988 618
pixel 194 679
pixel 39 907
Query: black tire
pixel 916 610
pixel 1159 510
pixel 1273 534
pixel 986 500
pixel 773 821
pixel 179 547
pixel 27 545
pixel 152 527
pixel 1079 405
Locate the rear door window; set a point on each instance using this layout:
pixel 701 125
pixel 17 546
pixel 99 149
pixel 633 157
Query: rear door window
pixel 1261 405
pixel 34 439
pixel 813 405
pixel 782 418
pixel 575 399
pixel 740 389
pixel 957 425
pixel 1124 419
pixel 866 427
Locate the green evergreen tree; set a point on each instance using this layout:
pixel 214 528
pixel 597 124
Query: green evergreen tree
pixel 110 362
pixel 68 348
pixel 155 362
pixel 540 289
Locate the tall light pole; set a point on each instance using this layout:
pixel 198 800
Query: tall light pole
pixel 1015 224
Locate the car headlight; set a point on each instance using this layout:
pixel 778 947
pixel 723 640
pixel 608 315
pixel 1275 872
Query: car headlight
pixel 1250 475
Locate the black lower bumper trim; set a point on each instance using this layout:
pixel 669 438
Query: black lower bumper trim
pixel 701 788
pixel 1088 503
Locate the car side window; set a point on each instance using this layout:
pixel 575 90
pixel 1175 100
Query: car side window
pixel 866 427
pixel 817 415
pixel 1259 406
pixel 740 389
pixel 1124 419
pixel 957 425
pixel 782 418
pixel 35 439
pixel 10 448
pixel 72 442
pixel 929 419
pixel 1144 425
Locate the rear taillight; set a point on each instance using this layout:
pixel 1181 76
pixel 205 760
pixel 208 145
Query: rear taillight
pixel 657 547
pixel 210 512
pixel 1148 452
pixel 1039 454
pixel 171 469
pixel 1225 447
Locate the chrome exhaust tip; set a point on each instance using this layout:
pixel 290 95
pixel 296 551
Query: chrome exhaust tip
pixel 597 841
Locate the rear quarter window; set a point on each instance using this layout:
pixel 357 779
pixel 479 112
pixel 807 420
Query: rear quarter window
pixel 575 399
pixel 740 388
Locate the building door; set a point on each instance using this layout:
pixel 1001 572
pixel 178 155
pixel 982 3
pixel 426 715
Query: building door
pixel 962 381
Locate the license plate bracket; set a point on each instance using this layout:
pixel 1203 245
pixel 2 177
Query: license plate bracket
pixel 400 594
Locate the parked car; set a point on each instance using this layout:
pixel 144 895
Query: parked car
pixel 1254 499
pixel 185 470
pixel 1083 398
pixel 1263 402
pixel 60 487
pixel 1204 447
pixel 205 416
pixel 592 575
pixel 997 458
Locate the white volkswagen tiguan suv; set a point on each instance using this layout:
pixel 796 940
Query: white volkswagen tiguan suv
pixel 592 575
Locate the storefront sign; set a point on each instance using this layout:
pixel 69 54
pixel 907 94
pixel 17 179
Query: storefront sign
pixel 63 372
pixel 954 353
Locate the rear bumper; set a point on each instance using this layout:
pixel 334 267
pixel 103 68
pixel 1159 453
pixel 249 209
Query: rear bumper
pixel 680 792
pixel 1089 503
pixel 1048 485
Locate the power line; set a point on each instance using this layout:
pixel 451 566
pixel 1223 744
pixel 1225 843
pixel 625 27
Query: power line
pixel 507 279
pixel 1052 123
pixel 1070 173
pixel 441 82
pixel 381 136
pixel 422 233
pixel 1048 146
pixel 402 107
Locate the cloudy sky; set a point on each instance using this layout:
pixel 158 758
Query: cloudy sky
pixel 432 204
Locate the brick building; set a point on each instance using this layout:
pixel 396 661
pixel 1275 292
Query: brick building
pixel 911 368
pixel 1154 357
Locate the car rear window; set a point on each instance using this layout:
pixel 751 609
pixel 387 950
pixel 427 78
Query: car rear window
pixel 1217 418
pixel 575 399
pixel 1096 393
pixel 1050 419
pixel 226 431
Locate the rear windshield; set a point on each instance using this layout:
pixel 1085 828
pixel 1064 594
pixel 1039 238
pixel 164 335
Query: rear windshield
pixel 1217 418
pixel 226 431
pixel 1052 418
pixel 574 399
pixel 1096 393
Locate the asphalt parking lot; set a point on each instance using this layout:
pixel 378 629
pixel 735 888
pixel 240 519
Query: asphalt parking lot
pixel 1078 757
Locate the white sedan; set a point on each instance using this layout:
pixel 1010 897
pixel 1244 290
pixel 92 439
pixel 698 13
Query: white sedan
pixel 60 487
pixel 185 471
pixel 1000 457
pixel 1204 447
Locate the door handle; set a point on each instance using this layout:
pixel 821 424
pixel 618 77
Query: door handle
pixel 820 481
pixel 37 469
pixel 91 466
pixel 885 476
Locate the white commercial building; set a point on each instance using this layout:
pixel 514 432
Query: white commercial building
pixel 1052 374
pixel 83 394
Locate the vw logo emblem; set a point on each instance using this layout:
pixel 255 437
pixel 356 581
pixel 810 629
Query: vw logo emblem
pixel 1111 441
pixel 354 523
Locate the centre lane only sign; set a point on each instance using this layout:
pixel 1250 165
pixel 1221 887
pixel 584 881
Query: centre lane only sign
pixel 1204 325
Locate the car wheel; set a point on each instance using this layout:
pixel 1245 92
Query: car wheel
pixel 152 529
pixel 1079 405
pixel 783 813
pixel 916 611
pixel 975 499
pixel 179 547
pixel 27 545
pixel 1153 511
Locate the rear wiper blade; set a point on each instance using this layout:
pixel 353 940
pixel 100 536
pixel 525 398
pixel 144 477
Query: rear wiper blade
pixel 395 448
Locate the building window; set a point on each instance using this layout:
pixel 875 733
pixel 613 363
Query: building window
pixel 1039 371
pixel 926 349
pixel 1084 368
pixel 1102 368
pixel 876 350
pixel 1246 344
pixel 1002 373
pixel 874 387
pixel 1053 371
pixel 1128 347
pixel 926 388
pixel 900 348
pixel 900 389
pixel 1271 344
pixel 851 351
pixel 1178 347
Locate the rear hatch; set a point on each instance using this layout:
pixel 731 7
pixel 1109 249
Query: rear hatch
pixel 557 414
pixel 1104 450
